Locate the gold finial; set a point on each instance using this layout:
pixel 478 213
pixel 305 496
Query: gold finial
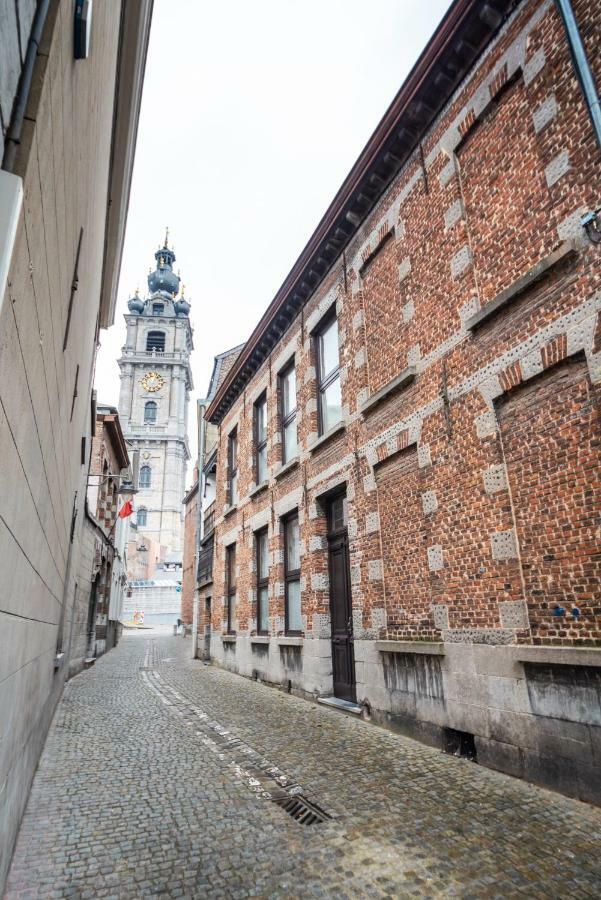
pixel 137 292
pixel 183 289
pixel 167 237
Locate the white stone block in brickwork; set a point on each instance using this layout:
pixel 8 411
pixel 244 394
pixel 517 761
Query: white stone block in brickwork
pixel 533 66
pixel 352 529
pixel 309 374
pixel 503 544
pixel 468 309
pixel 312 437
pixel 414 354
pixel 545 113
pixel 435 561
pixel 320 581
pixel 461 261
pixel 452 214
pixel 278 557
pixel 355 574
pixel 593 361
pixel 375 570
pixel 360 358
pixel 358 320
pixel 424 457
pixel 408 311
pixel 486 424
pixel 440 614
pixel 557 168
pixel 362 396
pixel 447 173
pixel 344 370
pixel 311 406
pixel 495 479
pixel 404 268
pixel 513 614
pixel 313 511
pixel 429 502
pixel 279 588
pixel 570 227
pixel 490 388
pixel 339 305
pixel 400 229
pixel 350 491
pixel 372 522
pixel 369 483
pixel 531 364
pixel 581 336
pixel 321 625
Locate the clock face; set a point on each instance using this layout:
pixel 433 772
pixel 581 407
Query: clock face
pixel 152 382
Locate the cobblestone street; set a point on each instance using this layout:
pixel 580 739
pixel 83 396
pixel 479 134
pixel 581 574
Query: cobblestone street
pixel 159 774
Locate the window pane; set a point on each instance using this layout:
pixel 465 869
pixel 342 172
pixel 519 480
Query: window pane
pixel 263 610
pixel 233 450
pixel 292 545
pixel 233 489
pixel 231 567
pixel 328 349
pixel 263 566
pixel 295 623
pixel 262 465
pixel 261 421
pixel 233 620
pixel 289 391
pixel 331 405
pixel 290 441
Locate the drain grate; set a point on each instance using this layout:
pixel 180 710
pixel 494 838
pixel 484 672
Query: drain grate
pixel 302 810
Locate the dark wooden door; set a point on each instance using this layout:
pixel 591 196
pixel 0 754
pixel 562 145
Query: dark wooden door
pixel 343 661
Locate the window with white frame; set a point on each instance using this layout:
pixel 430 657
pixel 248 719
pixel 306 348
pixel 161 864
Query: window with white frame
pixel 328 374
pixel 293 620
pixel 288 413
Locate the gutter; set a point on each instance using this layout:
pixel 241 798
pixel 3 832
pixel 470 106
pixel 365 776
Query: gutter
pixel 13 136
pixel 581 65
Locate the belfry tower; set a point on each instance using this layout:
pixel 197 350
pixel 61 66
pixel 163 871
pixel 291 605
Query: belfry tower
pixel 156 381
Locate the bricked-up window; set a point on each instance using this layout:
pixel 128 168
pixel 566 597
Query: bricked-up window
pixel 292 575
pixel 150 412
pixel 262 561
pixel 156 341
pixel 230 578
pixel 260 426
pixel 288 413
pixel 145 477
pixel 328 374
pixel 142 515
pixel 232 467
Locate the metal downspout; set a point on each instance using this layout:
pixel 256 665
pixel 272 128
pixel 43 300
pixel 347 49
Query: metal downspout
pixel 13 137
pixel 581 64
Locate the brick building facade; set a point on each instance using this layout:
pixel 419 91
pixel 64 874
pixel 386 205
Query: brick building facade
pixel 190 542
pixel 407 469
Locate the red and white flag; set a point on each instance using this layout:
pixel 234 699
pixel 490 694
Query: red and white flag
pixel 126 510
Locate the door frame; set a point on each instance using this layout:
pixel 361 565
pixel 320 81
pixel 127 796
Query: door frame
pixel 334 537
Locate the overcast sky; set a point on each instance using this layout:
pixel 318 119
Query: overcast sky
pixel 252 116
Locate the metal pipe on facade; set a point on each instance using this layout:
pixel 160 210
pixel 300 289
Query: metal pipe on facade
pixel 581 64
pixel 200 412
pixel 13 137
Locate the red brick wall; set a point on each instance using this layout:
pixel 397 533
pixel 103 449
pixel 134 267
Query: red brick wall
pixel 442 530
pixel 188 569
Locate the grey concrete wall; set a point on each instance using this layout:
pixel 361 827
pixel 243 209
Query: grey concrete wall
pixel 64 163
pixel 15 27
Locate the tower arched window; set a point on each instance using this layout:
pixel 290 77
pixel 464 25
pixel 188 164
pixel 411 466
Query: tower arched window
pixel 150 412
pixel 156 341
pixel 158 309
pixel 142 516
pixel 145 477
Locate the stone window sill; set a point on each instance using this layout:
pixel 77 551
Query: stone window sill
pixel 430 648
pixel 290 641
pixel 565 250
pixel 229 638
pixel 259 488
pixel 229 510
pixel 337 429
pixel 287 467
pixel 397 384
pixel 569 656
pixel 260 639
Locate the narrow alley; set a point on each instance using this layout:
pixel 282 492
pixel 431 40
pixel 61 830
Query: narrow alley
pixel 162 776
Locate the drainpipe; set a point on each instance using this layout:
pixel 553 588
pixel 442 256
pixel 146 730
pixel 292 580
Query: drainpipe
pixel 200 412
pixel 581 65
pixel 13 137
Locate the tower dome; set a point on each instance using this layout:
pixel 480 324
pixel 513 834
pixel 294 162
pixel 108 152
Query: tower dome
pixel 163 278
pixel 135 305
pixel 181 306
